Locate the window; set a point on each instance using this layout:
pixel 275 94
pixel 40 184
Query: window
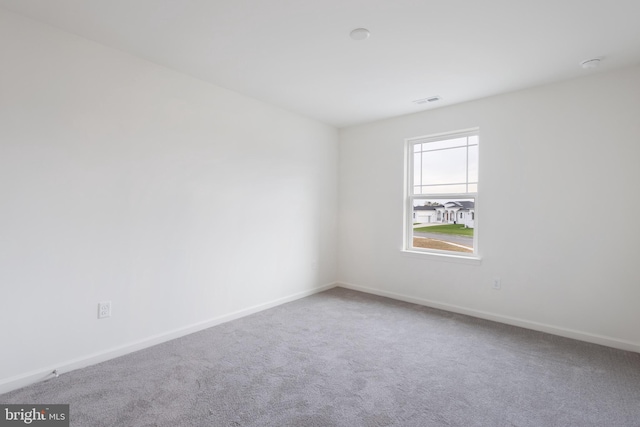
pixel 442 186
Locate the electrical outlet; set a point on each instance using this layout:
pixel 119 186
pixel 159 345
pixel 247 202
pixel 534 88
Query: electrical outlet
pixel 497 283
pixel 104 309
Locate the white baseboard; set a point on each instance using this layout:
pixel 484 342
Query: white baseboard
pixel 527 324
pixel 38 375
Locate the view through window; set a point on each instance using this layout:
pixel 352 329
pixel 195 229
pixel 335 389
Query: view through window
pixel 442 193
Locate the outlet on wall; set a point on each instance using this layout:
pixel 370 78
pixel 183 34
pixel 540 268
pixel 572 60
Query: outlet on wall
pixel 497 283
pixel 104 309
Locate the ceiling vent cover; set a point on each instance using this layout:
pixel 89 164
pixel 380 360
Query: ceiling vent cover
pixel 427 100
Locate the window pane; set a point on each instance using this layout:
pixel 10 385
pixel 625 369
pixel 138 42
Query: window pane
pixel 417 167
pixel 473 164
pixel 473 139
pixel 473 188
pixel 447 143
pixel 417 147
pixel 443 189
pixel 444 167
pixel 444 224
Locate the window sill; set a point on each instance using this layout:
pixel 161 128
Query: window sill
pixel 459 259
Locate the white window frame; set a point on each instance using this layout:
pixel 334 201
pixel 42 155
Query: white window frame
pixel 410 197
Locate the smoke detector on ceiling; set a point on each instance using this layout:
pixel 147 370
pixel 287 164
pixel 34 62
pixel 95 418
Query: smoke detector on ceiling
pixel 590 63
pixel 359 34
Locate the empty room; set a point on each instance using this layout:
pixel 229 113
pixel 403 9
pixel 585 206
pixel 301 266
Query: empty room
pixel 319 213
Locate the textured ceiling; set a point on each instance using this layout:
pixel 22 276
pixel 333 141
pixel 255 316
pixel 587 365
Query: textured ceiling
pixel 297 54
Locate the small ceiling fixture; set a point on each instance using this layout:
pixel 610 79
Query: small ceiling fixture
pixel 360 34
pixel 426 100
pixel 590 63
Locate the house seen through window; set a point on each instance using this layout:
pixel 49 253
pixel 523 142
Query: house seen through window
pixel 442 177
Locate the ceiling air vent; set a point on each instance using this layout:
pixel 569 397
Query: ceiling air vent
pixel 427 100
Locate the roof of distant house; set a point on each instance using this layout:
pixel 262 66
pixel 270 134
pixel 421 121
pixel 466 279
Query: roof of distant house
pixel 461 204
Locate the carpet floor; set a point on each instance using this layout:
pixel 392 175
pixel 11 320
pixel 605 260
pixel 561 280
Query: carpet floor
pixel 344 358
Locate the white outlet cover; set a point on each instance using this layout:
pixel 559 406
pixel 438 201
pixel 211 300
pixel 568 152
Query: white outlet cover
pixel 104 309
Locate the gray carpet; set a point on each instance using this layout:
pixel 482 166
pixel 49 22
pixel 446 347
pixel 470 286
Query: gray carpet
pixel 344 358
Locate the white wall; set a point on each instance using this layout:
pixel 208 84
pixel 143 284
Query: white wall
pixel 544 152
pixel 122 180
